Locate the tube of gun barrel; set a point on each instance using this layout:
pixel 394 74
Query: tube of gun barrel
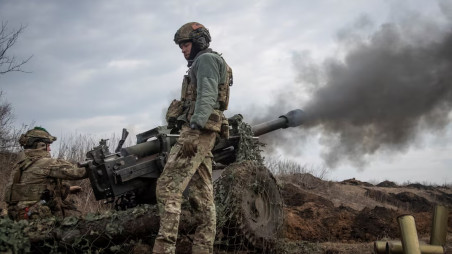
pixel 143 149
pixel 269 126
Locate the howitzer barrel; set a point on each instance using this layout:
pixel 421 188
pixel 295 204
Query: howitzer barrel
pixel 292 119
pixel 143 149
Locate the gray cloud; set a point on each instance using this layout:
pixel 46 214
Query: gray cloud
pixel 80 57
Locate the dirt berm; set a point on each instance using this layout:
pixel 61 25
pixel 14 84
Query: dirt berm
pixel 356 212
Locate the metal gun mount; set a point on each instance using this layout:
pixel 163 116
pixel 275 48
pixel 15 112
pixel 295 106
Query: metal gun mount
pixel 136 168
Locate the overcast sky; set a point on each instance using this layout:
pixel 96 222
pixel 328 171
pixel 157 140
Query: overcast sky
pixel 99 66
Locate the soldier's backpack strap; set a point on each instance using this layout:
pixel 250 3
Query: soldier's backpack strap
pixel 23 165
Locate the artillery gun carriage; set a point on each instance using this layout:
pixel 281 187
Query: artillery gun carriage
pixel 248 201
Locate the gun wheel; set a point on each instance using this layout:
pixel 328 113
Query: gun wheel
pixel 249 207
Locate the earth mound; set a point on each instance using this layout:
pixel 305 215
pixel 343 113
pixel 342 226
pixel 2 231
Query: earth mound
pixel 352 211
pixel 388 184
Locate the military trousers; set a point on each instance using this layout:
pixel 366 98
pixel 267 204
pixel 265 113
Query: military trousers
pixel 180 172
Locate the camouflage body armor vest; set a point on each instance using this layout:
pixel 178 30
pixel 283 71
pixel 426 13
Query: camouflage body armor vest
pixel 36 187
pixel 217 121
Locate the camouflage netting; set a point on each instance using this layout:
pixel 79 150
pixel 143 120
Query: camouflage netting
pixel 249 208
pixel 248 201
pixel 249 148
pixel 111 232
pixel 12 238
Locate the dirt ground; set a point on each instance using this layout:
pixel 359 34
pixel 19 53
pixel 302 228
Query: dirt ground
pixel 348 216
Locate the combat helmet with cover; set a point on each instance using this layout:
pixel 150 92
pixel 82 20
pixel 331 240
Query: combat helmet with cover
pixel 34 136
pixel 196 33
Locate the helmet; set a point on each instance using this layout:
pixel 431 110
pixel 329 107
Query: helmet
pixel 194 32
pixel 38 134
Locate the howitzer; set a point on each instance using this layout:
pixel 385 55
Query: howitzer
pixel 248 201
pixel 132 171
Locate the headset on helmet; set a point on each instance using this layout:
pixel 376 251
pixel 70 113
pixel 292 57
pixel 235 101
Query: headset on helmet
pixel 194 32
pixel 38 134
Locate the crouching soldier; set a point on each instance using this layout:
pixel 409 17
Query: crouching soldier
pixel 35 189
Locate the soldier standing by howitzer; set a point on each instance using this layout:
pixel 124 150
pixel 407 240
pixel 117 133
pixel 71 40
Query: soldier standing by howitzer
pixel 35 189
pixel 199 116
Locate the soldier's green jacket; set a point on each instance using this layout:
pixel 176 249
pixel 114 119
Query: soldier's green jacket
pixel 208 70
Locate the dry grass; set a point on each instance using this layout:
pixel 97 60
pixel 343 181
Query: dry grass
pixel 287 167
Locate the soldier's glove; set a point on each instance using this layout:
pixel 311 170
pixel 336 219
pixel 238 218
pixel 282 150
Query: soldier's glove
pixel 189 142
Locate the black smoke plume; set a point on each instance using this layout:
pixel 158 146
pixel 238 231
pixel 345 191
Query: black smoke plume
pixel 385 91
